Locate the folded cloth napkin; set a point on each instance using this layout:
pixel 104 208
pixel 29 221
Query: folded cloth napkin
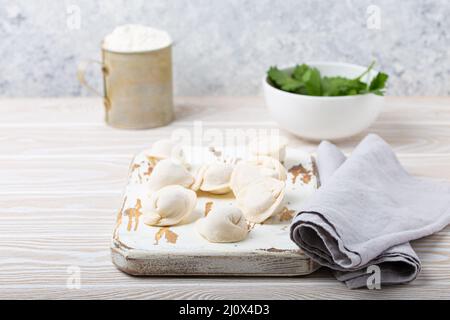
pixel 398 264
pixel 366 211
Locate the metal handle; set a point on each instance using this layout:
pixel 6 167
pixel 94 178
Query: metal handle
pixel 81 74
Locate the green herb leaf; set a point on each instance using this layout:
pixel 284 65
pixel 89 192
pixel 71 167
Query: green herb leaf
pixel 378 83
pixel 340 86
pixel 307 80
pixel 284 81
pixel 312 81
pixel 299 71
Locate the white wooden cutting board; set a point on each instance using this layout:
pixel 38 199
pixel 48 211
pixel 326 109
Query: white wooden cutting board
pixel 139 249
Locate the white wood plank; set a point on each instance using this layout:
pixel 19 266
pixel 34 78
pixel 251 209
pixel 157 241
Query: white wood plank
pixel 89 111
pixel 60 127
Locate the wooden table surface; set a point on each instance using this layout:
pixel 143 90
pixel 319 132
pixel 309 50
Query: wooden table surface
pixel 63 170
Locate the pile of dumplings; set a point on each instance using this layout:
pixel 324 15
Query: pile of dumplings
pixel 258 185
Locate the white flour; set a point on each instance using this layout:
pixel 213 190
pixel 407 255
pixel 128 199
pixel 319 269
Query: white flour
pixel 136 38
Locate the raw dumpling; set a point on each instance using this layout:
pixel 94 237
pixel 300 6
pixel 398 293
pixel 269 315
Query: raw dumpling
pixel 167 172
pixel 214 178
pixel 270 167
pixel 225 224
pixel 273 146
pixel 243 175
pixel 261 199
pixel 247 172
pixel 169 206
pixel 166 148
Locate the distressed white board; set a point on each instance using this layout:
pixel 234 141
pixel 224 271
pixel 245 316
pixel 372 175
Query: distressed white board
pixel 140 249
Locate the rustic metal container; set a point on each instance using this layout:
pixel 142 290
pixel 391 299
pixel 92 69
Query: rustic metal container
pixel 138 90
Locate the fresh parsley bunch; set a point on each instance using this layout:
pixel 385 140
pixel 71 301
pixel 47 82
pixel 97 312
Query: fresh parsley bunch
pixel 308 81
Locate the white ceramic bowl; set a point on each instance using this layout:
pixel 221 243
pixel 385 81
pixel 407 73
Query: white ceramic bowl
pixel 320 118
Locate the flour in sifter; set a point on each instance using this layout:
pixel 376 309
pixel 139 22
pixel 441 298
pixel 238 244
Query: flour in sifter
pixel 136 38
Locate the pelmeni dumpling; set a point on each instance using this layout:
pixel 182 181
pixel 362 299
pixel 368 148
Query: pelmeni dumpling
pixel 247 172
pixel 243 175
pixel 167 172
pixel 166 148
pixel 169 206
pixel 224 224
pixel 261 199
pixel 214 178
pixel 270 167
pixel 273 146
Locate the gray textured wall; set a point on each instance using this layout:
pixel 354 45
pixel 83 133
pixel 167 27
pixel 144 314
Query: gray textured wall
pixel 225 46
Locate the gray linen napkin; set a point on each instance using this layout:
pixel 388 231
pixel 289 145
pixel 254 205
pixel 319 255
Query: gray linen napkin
pixel 365 212
pixel 398 264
